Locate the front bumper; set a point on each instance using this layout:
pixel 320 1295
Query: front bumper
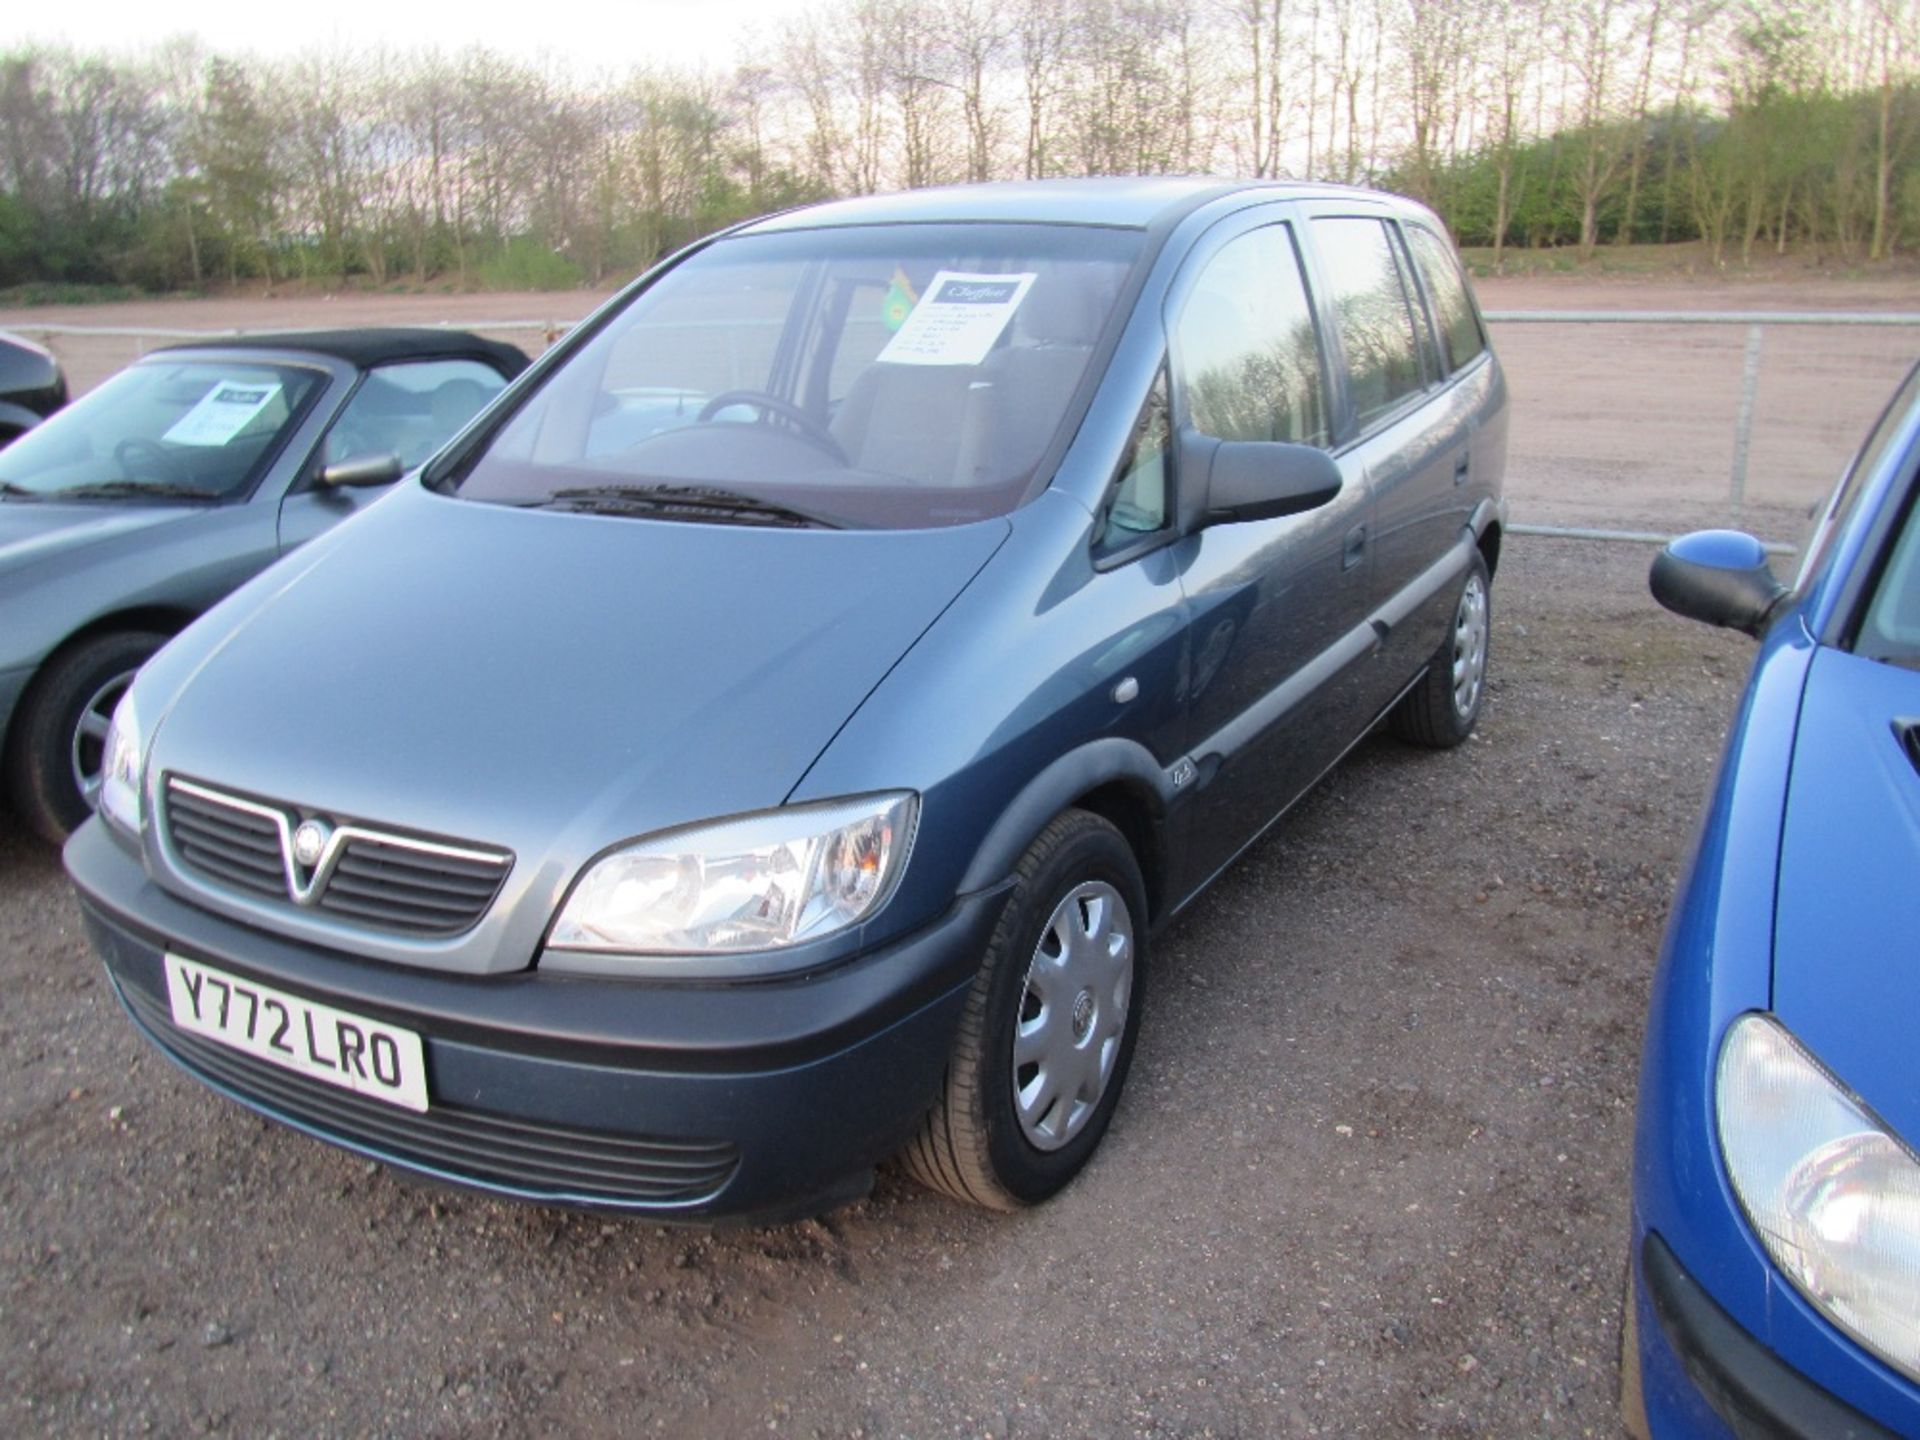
pixel 682 1101
pixel 1700 1373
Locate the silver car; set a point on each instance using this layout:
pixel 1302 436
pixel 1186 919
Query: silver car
pixel 129 513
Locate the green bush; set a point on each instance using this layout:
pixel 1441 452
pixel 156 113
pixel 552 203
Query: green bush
pixel 528 265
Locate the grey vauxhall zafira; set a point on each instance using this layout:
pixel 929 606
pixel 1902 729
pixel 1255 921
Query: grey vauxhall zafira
pixel 770 739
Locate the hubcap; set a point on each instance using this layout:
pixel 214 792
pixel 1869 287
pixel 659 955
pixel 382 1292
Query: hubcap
pixel 1072 1013
pixel 89 747
pixel 1469 647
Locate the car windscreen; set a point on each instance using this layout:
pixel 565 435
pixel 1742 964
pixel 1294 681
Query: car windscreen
pixel 163 430
pixel 891 376
pixel 1828 518
pixel 1890 626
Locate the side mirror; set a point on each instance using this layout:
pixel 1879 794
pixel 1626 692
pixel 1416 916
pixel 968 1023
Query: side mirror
pixel 361 471
pixel 1719 576
pixel 1226 481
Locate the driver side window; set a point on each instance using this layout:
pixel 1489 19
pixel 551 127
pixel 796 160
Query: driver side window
pixel 1246 346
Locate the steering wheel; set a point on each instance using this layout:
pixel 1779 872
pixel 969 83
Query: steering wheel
pixel 131 452
pixel 809 428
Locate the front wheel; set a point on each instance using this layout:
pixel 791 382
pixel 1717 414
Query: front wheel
pixel 1442 709
pixel 60 731
pixel 1049 1027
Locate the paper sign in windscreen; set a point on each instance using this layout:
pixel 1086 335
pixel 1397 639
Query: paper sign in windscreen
pixel 957 320
pixel 223 412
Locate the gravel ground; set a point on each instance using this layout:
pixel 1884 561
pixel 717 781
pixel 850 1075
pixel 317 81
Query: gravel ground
pixel 1369 1177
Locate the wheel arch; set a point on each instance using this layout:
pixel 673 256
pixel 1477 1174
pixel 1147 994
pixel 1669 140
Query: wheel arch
pixel 1489 543
pixel 161 619
pixel 1489 528
pixel 1116 779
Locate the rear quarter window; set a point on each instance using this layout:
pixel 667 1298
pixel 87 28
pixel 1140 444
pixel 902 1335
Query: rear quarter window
pixel 1460 331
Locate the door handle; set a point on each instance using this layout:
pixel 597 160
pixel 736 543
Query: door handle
pixel 1355 548
pixel 1461 467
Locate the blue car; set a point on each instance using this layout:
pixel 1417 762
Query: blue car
pixel 1775 1277
pixel 769 739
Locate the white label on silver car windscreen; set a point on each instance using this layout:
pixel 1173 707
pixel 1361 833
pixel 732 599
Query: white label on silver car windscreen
pixel 957 320
pixel 223 412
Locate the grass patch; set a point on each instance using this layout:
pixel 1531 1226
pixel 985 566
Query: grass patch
pixel 51 292
pixel 525 265
pixel 1681 260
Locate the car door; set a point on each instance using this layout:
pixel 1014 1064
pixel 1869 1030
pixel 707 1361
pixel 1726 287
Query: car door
pixel 1278 607
pixel 409 409
pixel 1404 426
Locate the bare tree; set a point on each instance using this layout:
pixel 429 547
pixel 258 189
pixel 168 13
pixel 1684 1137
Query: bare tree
pixel 1895 47
pixel 1432 36
pixel 1517 30
pixel 973 38
pixel 1044 33
pixel 1592 33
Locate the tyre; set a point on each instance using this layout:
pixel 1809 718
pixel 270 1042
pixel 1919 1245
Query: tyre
pixel 1048 1032
pixel 1442 709
pixel 60 729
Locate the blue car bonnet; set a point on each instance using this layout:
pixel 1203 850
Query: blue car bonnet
pixel 1846 977
pixel 592 677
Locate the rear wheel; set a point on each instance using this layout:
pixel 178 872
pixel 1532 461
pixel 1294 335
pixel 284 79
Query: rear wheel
pixel 1443 708
pixel 60 731
pixel 1049 1027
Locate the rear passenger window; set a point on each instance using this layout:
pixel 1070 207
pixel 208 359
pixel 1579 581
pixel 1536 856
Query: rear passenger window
pixel 1370 304
pixel 1459 326
pixel 410 409
pixel 1246 352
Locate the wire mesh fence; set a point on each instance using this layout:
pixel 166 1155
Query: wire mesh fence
pixel 1647 422
pixel 1663 421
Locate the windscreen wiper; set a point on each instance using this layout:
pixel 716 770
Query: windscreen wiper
pixel 116 489
pixel 18 492
pixel 685 502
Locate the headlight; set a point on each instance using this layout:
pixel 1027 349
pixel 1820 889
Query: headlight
pixel 119 798
pixel 1834 1197
pixel 757 883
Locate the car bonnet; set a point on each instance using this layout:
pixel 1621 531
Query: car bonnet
pixel 550 683
pixel 33 531
pixel 1846 976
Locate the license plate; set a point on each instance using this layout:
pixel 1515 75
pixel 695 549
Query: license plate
pixel 335 1046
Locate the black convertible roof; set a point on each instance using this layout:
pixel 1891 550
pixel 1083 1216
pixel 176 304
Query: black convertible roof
pixel 371 347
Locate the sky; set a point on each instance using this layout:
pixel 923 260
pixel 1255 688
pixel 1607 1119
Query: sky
pixel 615 35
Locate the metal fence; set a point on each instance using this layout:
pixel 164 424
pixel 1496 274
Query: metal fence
pixel 1655 421
pixel 1635 423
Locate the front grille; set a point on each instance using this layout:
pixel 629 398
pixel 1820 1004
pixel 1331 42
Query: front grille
pixel 412 885
pixel 543 1161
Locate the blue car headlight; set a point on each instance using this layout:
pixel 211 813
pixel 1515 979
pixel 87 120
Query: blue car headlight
pixel 754 883
pixel 1833 1196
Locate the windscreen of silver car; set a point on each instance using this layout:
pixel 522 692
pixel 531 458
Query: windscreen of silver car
pixel 164 430
pixel 883 377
